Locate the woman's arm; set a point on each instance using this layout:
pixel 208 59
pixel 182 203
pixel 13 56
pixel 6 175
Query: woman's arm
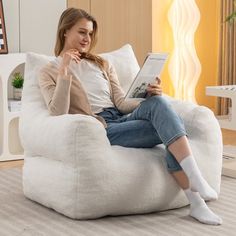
pixel 123 105
pixel 55 83
pixel 55 89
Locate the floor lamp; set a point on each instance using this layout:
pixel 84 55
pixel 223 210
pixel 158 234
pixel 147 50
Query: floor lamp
pixel 184 66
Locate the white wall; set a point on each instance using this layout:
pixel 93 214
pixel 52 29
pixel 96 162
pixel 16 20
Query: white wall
pixel 31 24
pixel 11 15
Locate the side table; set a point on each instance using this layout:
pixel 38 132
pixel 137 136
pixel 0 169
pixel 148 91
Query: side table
pixel 227 122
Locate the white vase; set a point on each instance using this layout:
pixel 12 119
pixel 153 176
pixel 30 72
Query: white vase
pixel 17 92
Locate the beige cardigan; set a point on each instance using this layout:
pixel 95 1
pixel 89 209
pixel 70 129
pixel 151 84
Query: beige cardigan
pixel 66 95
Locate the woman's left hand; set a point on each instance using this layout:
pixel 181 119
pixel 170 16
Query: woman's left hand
pixel 155 88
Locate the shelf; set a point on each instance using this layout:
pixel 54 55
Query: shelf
pixel 10 146
pixel 15 147
pixel 12 115
pixel 19 68
pixel 221 91
pixel 227 91
pixel 227 122
pixel 14 106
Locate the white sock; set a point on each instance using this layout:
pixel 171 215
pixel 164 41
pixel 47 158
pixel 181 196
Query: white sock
pixel 200 211
pixel 196 180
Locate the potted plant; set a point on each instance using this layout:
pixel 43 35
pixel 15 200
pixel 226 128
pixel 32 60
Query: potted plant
pixel 232 16
pixel 17 83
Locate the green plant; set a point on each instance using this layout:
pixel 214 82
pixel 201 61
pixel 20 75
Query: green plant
pixel 232 16
pixel 18 80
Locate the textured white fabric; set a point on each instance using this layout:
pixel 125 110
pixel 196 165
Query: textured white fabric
pixel 125 63
pixel 71 167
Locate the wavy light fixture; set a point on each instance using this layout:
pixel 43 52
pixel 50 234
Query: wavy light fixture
pixel 184 66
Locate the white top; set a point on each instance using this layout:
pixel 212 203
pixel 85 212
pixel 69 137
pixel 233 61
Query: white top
pixel 94 83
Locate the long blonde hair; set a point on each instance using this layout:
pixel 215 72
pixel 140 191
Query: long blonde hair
pixel 67 20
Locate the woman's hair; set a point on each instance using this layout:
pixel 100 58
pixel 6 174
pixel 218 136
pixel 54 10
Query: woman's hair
pixel 67 20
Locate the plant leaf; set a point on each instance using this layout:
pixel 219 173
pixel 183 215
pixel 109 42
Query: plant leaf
pixel 231 17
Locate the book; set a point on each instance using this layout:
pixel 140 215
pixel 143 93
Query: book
pixel 152 68
pixel 14 105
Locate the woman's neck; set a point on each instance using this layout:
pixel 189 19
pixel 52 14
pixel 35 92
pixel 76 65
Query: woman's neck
pixel 62 53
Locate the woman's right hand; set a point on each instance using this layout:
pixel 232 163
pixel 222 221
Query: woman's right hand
pixel 68 56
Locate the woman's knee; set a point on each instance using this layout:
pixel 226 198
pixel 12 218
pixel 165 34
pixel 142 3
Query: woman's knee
pixel 157 101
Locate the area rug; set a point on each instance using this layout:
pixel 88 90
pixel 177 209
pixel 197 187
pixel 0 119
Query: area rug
pixel 22 217
pixel 229 151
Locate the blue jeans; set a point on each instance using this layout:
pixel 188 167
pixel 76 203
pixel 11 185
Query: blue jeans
pixel 153 122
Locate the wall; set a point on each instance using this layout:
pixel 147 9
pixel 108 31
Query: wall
pixel 31 24
pixel 121 22
pixel 207 41
pixel 11 15
pixel 163 39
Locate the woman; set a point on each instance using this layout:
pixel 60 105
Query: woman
pixel 80 82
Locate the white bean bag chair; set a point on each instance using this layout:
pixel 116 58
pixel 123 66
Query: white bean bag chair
pixel 71 167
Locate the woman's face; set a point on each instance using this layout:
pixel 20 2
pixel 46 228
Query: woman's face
pixel 79 36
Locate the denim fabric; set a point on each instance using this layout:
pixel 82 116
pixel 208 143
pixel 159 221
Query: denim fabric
pixel 153 122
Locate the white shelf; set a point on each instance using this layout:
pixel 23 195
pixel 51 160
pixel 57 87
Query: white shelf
pixel 227 91
pixel 227 122
pixel 10 146
pixel 12 115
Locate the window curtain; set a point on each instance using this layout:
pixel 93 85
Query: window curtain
pixel 227 54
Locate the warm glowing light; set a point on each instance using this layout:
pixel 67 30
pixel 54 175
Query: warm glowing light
pixel 184 66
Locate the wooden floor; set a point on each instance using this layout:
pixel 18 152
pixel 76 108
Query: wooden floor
pixel 11 164
pixel 229 138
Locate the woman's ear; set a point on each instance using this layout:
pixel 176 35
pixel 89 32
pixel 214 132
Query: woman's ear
pixel 65 33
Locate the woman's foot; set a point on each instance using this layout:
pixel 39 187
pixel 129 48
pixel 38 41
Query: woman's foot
pixel 196 180
pixel 199 209
pixel 199 184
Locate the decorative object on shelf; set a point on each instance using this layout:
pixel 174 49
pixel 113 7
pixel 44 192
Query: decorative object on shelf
pixel 17 83
pixel 232 17
pixel 14 105
pixel 3 36
pixel 184 66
